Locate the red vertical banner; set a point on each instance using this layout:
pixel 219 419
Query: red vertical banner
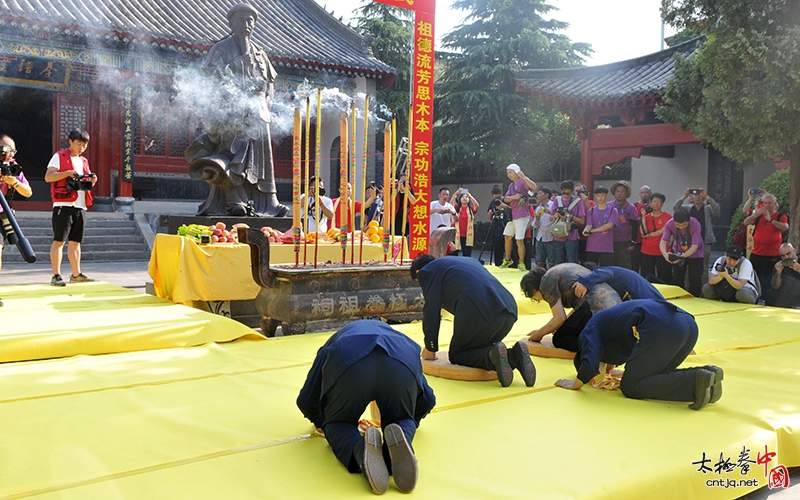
pixel 420 150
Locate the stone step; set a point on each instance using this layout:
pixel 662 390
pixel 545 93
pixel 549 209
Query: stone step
pixel 108 237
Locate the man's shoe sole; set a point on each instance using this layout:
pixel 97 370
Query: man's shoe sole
pixel 716 389
pixel 404 464
pixel 499 357
pixel 703 380
pixel 523 363
pixel 374 466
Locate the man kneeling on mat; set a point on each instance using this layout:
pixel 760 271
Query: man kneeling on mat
pixel 484 312
pixel 652 337
pixel 369 361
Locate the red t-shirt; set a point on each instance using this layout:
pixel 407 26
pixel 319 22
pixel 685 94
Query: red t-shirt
pixel 767 238
pixel 341 213
pixel 650 244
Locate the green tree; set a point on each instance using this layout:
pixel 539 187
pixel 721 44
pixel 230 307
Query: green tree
pixel 393 31
pixel 482 122
pixel 740 91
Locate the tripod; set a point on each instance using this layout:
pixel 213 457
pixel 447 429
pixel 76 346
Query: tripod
pixel 497 220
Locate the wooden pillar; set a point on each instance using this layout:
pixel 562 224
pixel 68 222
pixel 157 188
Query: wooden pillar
pixel 586 159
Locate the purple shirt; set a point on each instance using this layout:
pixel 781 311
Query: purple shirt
pixel 577 211
pixel 597 217
pixel 519 187
pixel 681 241
pixel 627 216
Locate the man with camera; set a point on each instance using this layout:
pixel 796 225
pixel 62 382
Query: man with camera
pixel 499 214
pixel 442 211
pixel 568 213
pixel 702 207
pixel 732 278
pixel 71 182
pixel 12 180
pixel 682 246
pixel 543 225
pixel 769 226
pixel 785 291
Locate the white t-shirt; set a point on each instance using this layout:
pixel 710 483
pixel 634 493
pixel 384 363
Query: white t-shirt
pixel 77 165
pixel 744 271
pixel 545 226
pixel 312 223
pixel 441 219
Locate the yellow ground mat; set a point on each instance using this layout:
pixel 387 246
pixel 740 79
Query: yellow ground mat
pixel 42 321
pixel 219 420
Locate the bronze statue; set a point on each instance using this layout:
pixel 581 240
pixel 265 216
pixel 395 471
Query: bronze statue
pixel 234 155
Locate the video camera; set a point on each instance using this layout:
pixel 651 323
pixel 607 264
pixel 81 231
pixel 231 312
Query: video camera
pixel 80 183
pixel 7 168
pixel 497 212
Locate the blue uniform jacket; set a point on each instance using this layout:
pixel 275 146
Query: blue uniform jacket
pixel 628 284
pixel 462 287
pixel 351 344
pixel 610 335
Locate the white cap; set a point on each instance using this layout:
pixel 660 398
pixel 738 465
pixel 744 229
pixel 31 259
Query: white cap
pixel 514 168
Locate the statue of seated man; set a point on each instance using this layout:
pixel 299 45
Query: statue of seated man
pixel 234 155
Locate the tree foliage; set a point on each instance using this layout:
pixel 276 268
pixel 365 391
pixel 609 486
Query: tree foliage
pixel 741 89
pixel 482 122
pixel 393 31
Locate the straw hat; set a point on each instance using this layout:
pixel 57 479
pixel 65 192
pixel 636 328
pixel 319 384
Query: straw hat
pixel 614 187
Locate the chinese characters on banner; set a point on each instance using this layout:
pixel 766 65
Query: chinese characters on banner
pixel 127 132
pixel 421 118
pixel 29 70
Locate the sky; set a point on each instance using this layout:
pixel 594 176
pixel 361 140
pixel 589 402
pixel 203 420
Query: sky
pixel 616 29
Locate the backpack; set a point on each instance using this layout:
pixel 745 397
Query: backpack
pixel 562 228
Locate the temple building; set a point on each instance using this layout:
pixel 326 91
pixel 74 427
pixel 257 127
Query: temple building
pixel 110 67
pixel 613 104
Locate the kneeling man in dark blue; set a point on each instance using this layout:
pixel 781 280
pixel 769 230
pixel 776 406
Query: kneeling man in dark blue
pixel 369 361
pixel 652 337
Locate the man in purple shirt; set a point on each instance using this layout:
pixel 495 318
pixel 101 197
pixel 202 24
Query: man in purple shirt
pixel 682 246
pixel 626 230
pixel 517 196
pixel 567 206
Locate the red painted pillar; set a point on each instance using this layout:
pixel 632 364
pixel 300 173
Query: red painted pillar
pixel 586 160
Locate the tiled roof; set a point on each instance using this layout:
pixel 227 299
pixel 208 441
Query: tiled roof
pixel 293 32
pixel 643 77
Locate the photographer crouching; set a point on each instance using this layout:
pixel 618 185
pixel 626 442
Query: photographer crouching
pixel 12 180
pixel 71 182
pixel 732 279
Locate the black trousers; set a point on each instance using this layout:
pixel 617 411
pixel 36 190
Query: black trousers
pixel 651 370
pixel 379 378
pixel 763 267
pixel 471 348
pixel 695 269
pixel 656 265
pixel 566 337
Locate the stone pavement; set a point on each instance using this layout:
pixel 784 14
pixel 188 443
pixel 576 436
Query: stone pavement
pixel 128 274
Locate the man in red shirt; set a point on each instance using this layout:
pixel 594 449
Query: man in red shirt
pixel 767 237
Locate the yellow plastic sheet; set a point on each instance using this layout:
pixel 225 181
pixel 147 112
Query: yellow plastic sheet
pixel 220 421
pixel 42 321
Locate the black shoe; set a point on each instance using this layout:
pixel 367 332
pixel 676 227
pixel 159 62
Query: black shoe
pixel 373 466
pixel 404 464
pixel 520 359
pixel 716 389
pixel 57 280
pixel 499 357
pixel 1 302
pixel 703 380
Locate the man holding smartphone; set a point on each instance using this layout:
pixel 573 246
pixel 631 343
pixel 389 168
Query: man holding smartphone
pixel 785 282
